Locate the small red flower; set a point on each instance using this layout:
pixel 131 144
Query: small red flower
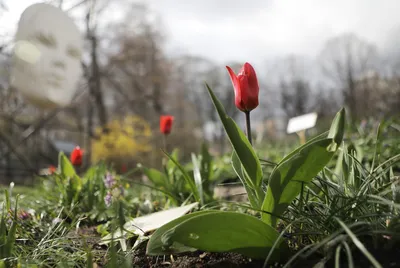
pixel 76 156
pixel 166 124
pixel 123 168
pixel 246 87
pixel 52 169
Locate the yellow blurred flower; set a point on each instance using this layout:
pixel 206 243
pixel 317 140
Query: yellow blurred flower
pixel 125 139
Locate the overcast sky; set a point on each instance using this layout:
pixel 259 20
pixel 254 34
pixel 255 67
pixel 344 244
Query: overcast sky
pixel 256 30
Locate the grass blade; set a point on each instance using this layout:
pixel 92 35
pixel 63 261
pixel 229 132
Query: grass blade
pixel 359 245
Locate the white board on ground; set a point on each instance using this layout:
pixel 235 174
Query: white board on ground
pixel 301 122
pixel 142 225
pixel 46 60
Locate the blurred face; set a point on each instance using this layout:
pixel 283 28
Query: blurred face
pixel 46 60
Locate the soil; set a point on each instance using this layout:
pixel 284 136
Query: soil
pixel 193 260
pixel 386 253
pixel 385 250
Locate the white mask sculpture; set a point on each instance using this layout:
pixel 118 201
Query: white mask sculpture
pixel 46 62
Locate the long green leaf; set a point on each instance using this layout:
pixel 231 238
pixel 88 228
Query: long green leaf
pixel 359 245
pixel 206 164
pixel 155 246
pixel 9 246
pixel 72 183
pixel 167 193
pixel 89 259
pixel 3 232
pixel 251 194
pixel 240 144
pixel 156 177
pixel 300 167
pixel 189 180
pixel 66 168
pixel 295 151
pixel 8 202
pixel 286 180
pixel 225 232
pixel 336 132
pixel 197 177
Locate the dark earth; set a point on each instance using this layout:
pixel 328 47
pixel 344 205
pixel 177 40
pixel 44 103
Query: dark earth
pixel 385 250
pixel 386 254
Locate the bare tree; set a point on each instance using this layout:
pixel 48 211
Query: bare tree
pixel 294 88
pixel 343 60
pixel 137 68
pixel 295 97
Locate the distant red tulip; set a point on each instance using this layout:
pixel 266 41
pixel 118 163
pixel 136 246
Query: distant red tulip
pixel 52 169
pixel 166 124
pixel 246 87
pixel 123 168
pixel 76 156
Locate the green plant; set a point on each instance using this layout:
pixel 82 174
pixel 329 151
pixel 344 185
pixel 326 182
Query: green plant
pixel 180 183
pixel 215 231
pixel 90 194
pixel 350 211
pixel 8 228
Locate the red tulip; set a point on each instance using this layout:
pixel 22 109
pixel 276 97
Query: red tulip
pixel 166 124
pixel 76 156
pixel 123 168
pixel 52 169
pixel 246 87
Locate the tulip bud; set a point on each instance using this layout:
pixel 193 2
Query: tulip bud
pixel 166 124
pixel 76 156
pixel 52 169
pixel 246 87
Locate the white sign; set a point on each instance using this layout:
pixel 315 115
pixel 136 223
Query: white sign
pixel 302 122
pixel 46 63
pixel 147 223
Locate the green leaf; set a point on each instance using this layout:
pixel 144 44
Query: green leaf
pixel 336 131
pixel 72 183
pixel 170 194
pixel 156 247
pixel 3 233
pixel 170 166
pixel 156 177
pixel 237 167
pixel 295 151
pixel 89 259
pixel 9 246
pixel 240 144
pixel 286 180
pixel 359 244
pixel 224 232
pixel 197 177
pixel 66 168
pixel 8 202
pixel 206 164
pixel 186 176
pixel 301 166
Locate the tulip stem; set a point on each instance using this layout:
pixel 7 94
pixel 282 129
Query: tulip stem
pixel 248 126
pixel 165 142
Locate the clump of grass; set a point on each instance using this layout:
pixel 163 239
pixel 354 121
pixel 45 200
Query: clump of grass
pixel 350 211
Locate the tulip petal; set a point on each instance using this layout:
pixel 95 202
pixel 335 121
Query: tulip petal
pixel 244 92
pixel 234 78
pixel 166 124
pixel 251 74
pixel 236 87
